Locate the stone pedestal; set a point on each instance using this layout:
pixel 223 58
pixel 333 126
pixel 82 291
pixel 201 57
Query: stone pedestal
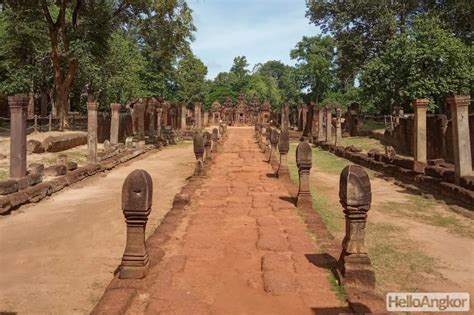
pixel 137 196
pixel 92 132
pixel 461 138
pixel 304 163
pixel 114 123
pixel 198 146
pixel 274 139
pixel 419 132
pixel 18 112
pixel 283 148
pixel 338 127
pixel 207 146
pixel 355 197
pixel 328 124
pixel 215 139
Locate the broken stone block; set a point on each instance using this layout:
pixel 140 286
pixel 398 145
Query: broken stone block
pixel 8 187
pixel 55 170
pixel 35 168
pixel 34 146
pixel 71 166
pixel 63 142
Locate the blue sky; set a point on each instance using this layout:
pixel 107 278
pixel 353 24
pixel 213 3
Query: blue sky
pixel 261 30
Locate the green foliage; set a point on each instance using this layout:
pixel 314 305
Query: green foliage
pixel 426 61
pixel 191 79
pixel 314 57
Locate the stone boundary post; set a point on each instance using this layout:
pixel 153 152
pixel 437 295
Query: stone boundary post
pixel 304 163
pixel 283 148
pixel 419 153
pixel 320 124
pixel 215 138
pixel 92 132
pixel 328 124
pixel 355 197
pixel 274 139
pixel 198 146
pixel 268 146
pixel 183 116
pixel 207 146
pixel 159 112
pixel 137 196
pixel 18 112
pixel 461 138
pixel 338 127
pixel 114 123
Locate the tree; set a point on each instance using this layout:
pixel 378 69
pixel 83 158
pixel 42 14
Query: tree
pixel 285 77
pixel 191 79
pixel 426 61
pixel 315 68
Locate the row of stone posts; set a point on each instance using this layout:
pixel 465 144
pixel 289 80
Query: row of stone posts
pixel 205 145
pixel 459 106
pixel 355 197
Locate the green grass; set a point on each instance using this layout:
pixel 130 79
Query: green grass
pixel 338 289
pixel 3 175
pixel 373 125
pixel 422 210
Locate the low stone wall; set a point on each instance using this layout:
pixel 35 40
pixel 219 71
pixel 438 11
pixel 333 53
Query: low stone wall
pixel 437 177
pixel 14 193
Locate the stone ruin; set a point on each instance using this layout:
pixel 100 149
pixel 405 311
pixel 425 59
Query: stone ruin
pixel 198 146
pixel 241 113
pixel 304 162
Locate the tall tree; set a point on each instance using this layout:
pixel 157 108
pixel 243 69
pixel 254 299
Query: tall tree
pixel 315 56
pixel 191 79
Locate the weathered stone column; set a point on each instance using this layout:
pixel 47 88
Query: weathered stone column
pixel 215 138
pixel 355 197
pixel 198 145
pixel 419 132
pixel 18 112
pixel 304 162
pixel 304 112
pixel 151 121
pixel 461 138
pixel 137 197
pixel 207 146
pixel 139 113
pixel 206 119
pixel 283 148
pixel 159 112
pixel 285 117
pixel 274 139
pixel 114 123
pixel 328 124
pixel 92 132
pixel 314 121
pixel 197 115
pixel 320 124
pixel 184 111
pixel 338 127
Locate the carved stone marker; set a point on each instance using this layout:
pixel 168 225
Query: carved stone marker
pixel 328 124
pixel 207 145
pixel 221 132
pixel 355 197
pixel 283 148
pixel 274 138
pixel 285 116
pixel 320 124
pixel 114 123
pixel 304 162
pixel 420 106
pixel 461 139
pixel 151 111
pixel 139 113
pixel 268 145
pixel 18 111
pixel 184 110
pixel 338 127
pixel 92 132
pixel 198 145
pixel 215 138
pixel 137 196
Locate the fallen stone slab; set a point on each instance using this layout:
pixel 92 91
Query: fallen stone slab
pixel 34 146
pixel 55 170
pixel 63 142
pixel 8 187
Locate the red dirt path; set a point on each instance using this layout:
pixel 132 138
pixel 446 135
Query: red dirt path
pixel 240 249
